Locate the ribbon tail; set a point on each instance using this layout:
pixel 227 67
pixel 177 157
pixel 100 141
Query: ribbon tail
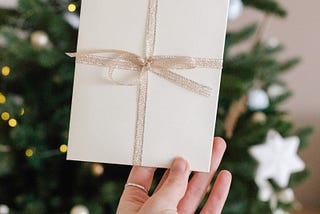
pixel 140 120
pixel 183 82
pixel 71 54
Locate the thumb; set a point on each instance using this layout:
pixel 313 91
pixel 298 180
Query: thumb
pixel 174 187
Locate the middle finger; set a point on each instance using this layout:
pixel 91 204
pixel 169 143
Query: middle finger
pixel 198 185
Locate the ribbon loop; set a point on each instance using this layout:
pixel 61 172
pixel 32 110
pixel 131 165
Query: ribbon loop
pixel 160 65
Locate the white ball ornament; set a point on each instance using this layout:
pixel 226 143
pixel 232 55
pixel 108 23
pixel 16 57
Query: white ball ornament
pixel 265 193
pixel 286 196
pixel 275 90
pixel 257 100
pixel 79 209
pixel 235 9
pixel 273 42
pixel 280 211
pixel 40 39
pixel 17 99
pixel 4 209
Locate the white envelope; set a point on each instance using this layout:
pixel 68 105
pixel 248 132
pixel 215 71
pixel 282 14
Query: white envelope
pixel 178 122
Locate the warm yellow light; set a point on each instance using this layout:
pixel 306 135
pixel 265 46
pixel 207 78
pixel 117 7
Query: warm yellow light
pixel 22 111
pixel 29 152
pixel 63 148
pixel 2 99
pixel 5 70
pixel 97 169
pixel 13 122
pixel 72 8
pixel 5 116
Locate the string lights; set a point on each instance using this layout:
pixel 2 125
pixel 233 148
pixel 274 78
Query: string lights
pixel 2 98
pixel 5 116
pixel 63 148
pixel 5 70
pixel 72 7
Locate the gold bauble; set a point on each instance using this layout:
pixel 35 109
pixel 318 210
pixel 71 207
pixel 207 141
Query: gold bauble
pixel 259 117
pixel 40 39
pixel 97 169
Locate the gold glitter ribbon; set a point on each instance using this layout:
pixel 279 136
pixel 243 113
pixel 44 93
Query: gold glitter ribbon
pixel 160 65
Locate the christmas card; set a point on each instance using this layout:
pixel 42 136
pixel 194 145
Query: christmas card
pixel 147 81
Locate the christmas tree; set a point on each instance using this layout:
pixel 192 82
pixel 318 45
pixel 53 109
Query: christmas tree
pixel 35 98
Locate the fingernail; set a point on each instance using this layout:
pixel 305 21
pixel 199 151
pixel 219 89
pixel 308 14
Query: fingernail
pixel 179 166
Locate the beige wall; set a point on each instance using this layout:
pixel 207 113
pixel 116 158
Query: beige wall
pixel 300 33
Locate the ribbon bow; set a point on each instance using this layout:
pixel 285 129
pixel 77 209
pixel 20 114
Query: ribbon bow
pixel 160 65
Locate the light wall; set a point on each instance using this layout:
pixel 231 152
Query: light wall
pixel 300 33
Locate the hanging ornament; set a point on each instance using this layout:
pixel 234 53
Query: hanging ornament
pixel 40 39
pixel 73 19
pixel 4 148
pixel 277 159
pixel 276 90
pixel 259 117
pixel 257 100
pixel 286 196
pixel 3 41
pixel 4 209
pixel 97 169
pixel 265 191
pixel 268 193
pixel 235 9
pixel 273 42
pixel 17 99
pixel 79 209
pixel 280 211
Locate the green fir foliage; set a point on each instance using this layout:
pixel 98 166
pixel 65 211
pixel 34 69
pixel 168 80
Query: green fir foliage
pixel 267 6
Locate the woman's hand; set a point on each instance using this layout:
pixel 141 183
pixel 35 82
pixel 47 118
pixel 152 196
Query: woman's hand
pixel 175 193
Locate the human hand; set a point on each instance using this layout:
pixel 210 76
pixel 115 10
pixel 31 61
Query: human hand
pixel 175 193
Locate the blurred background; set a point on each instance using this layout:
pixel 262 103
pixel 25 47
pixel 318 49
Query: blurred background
pixel 300 33
pixel 35 96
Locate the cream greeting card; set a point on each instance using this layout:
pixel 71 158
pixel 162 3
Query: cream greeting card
pixel 147 81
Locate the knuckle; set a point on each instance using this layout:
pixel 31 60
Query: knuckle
pixel 174 181
pixel 195 191
pixel 136 196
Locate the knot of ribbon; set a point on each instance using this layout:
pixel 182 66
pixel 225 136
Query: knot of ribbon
pixel 159 65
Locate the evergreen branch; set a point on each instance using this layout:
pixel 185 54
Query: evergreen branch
pixel 304 135
pixel 298 177
pixel 289 64
pixel 237 37
pixel 267 6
